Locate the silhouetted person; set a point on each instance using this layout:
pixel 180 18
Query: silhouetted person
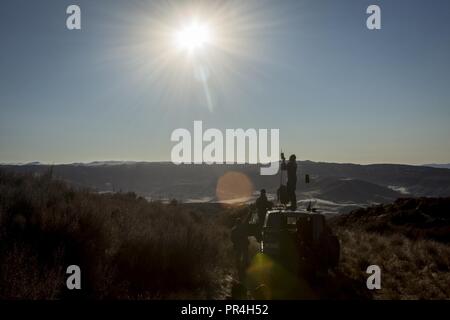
pixel 262 205
pixel 291 168
pixel 239 237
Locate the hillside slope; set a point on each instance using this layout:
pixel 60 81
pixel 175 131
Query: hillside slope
pixel 409 240
pixel 416 218
pixel 329 181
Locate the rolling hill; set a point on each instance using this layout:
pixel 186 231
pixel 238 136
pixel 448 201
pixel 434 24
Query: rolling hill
pixel 341 183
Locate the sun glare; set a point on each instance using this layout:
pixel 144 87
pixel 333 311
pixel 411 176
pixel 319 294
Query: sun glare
pixel 193 36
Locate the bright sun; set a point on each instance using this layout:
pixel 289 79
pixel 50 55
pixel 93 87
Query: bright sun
pixel 193 36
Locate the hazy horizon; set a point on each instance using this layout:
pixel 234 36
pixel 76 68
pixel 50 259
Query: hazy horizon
pixel 168 161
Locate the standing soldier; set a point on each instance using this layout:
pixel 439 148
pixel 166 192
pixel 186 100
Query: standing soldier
pixel 291 168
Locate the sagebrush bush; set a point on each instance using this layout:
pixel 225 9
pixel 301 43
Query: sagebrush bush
pixel 411 269
pixel 125 246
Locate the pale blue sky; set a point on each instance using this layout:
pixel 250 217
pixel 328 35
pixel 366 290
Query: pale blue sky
pixel 337 91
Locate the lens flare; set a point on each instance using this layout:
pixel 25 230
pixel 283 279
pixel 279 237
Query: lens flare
pixel 234 187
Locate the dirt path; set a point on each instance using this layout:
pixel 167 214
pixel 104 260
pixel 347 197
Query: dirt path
pixel 266 279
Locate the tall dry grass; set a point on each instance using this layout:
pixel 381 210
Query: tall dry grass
pixel 410 269
pixel 126 247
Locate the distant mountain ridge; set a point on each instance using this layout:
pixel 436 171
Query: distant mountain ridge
pixel 341 183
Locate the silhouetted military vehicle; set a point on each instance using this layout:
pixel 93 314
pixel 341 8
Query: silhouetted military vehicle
pixel 299 240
